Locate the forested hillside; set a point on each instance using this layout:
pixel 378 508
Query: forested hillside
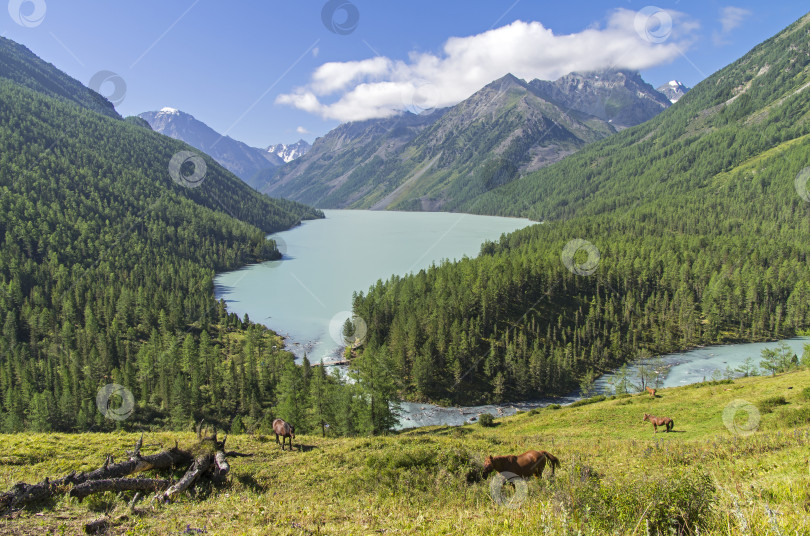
pixel 22 66
pixel 106 275
pixel 697 228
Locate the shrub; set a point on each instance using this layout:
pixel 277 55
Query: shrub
pixel 766 405
pixel 553 406
pixel 236 426
pixel 585 401
pixel 794 417
pixel 805 394
pixel 712 382
pixel 408 469
pixel 486 420
pixel 678 502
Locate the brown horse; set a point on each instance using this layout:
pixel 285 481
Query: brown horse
pixel 659 421
pixel 284 429
pixel 530 463
pixel 651 391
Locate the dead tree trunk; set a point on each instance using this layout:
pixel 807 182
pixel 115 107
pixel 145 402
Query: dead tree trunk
pixel 200 465
pixel 119 484
pixel 109 477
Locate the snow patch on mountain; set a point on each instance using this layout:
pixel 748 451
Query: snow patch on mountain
pixel 290 152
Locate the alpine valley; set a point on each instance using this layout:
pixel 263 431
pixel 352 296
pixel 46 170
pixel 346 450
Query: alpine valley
pixel 670 219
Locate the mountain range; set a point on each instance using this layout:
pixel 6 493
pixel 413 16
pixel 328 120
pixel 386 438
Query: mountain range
pixel 441 159
pixel 673 90
pixel 289 152
pixel 237 157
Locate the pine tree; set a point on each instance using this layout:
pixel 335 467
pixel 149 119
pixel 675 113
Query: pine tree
pixel 291 397
pixel 375 382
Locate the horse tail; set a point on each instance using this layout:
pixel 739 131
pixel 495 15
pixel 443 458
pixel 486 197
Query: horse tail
pixel 552 459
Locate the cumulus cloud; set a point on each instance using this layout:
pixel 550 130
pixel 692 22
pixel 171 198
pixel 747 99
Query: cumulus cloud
pixel 730 18
pixel 382 87
pixel 302 130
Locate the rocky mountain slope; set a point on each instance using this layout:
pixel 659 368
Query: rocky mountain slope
pixel 239 158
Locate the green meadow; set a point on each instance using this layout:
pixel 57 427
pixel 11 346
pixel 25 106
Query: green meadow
pixel 746 474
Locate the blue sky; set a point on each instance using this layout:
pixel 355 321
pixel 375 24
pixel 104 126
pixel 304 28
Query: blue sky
pixel 269 72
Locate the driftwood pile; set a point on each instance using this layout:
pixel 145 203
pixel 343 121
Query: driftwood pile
pixel 207 458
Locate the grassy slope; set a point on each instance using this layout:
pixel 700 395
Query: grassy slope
pixel 415 482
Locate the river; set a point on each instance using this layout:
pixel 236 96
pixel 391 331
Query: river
pixel 306 296
pixel 685 368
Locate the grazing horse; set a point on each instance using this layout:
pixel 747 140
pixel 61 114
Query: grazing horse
pixel 530 463
pixel 651 391
pixel 284 429
pixel 659 421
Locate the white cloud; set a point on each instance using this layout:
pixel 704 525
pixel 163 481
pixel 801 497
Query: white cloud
pixel 382 87
pixel 302 130
pixel 730 18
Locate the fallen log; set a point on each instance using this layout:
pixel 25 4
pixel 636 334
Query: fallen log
pixel 22 494
pixel 200 465
pixel 119 484
pixel 223 467
pixel 208 457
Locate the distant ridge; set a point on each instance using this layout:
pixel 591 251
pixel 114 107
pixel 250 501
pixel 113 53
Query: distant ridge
pixel 239 158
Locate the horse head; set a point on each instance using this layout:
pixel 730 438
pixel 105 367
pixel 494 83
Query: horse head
pixel 488 468
pixel 292 431
pixel 646 417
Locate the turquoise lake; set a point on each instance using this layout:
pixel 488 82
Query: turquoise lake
pixel 310 290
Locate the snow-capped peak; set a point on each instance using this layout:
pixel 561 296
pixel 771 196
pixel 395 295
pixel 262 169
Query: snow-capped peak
pixel 167 110
pixel 290 152
pixel 673 90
